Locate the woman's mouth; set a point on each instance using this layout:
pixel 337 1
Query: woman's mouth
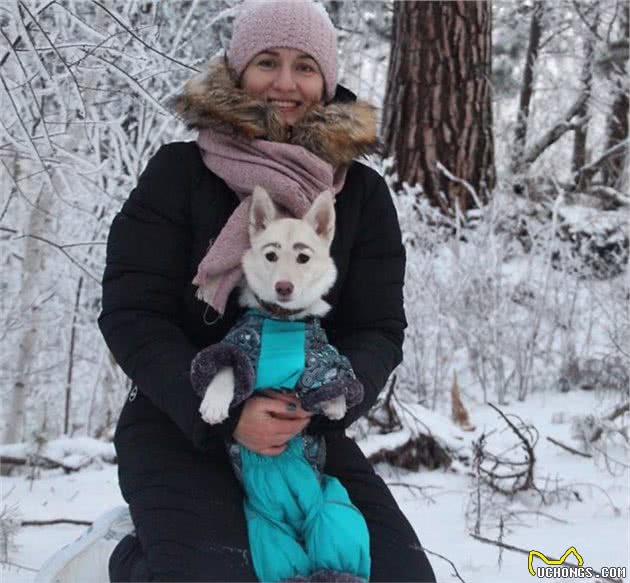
pixel 284 105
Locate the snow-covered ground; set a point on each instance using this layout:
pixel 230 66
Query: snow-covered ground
pixel 587 502
pixel 480 306
pixel 597 524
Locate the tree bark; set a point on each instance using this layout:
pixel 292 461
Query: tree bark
pixel 569 122
pixel 581 133
pixel 334 10
pixel 527 88
pixel 15 412
pixel 617 126
pixel 438 108
pixel 70 367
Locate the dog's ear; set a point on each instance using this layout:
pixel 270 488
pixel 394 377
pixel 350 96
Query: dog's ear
pixel 261 212
pixel 321 216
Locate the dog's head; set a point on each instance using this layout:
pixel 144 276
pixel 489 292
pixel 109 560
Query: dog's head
pixel 289 262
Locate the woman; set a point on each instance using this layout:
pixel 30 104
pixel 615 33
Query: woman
pixel 271 113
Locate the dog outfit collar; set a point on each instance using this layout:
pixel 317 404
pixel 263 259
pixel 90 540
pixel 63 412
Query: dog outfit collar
pixel 276 310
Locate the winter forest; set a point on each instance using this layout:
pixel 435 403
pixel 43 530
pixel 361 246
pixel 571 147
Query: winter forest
pixel 504 129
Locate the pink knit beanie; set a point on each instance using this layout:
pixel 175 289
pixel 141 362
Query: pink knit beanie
pixel 291 24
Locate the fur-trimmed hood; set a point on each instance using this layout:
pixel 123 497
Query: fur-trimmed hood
pixel 338 132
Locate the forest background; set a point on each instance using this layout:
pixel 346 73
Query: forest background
pixel 505 144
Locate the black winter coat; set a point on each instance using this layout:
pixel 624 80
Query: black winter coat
pixel 154 325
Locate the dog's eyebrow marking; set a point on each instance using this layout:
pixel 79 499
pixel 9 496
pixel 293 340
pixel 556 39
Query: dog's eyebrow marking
pixel 274 245
pixel 301 246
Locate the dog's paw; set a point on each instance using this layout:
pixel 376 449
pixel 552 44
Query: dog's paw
pixel 335 408
pixel 204 293
pixel 215 406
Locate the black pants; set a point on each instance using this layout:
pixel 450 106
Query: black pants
pixel 187 508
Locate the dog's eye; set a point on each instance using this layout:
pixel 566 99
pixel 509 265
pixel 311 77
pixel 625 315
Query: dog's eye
pixel 302 258
pixel 271 256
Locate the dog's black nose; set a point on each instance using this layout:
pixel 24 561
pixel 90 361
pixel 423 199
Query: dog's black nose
pixel 284 288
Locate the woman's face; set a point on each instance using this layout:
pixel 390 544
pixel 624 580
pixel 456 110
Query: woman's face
pixel 287 78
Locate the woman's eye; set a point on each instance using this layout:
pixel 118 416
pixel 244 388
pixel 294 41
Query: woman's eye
pixel 271 256
pixel 306 68
pixel 266 64
pixel 302 258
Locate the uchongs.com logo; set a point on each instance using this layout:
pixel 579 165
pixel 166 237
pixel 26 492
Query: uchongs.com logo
pixel 561 568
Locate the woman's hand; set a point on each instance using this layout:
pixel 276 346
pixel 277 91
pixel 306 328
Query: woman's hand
pixel 268 422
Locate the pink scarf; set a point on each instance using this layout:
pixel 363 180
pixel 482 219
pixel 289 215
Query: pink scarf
pixel 292 176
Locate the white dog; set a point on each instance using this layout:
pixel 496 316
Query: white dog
pixel 288 270
pixel 279 344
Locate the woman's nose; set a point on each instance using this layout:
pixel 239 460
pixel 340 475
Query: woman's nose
pixel 284 80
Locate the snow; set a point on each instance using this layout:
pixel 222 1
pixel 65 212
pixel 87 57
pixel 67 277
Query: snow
pixel 82 496
pixel 473 302
pixel 65 450
pixel 598 525
pixel 437 503
pixel 591 220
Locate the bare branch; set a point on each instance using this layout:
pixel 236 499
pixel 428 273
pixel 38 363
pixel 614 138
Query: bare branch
pixel 444 170
pixel 182 27
pixel 608 458
pixel 16 43
pixel 61 248
pixel 566 447
pixel 134 83
pixel 24 568
pixel 100 45
pixel 82 244
pixel 522 472
pixel 609 196
pixel 30 139
pixel 40 461
pixel 82 22
pixel 558 130
pixel 55 521
pixel 617 412
pixel 32 91
pixel 554 34
pixel 21 6
pixel 420 489
pixel 455 571
pixel 538 513
pixel 7 203
pixel 616 510
pixel 143 43
pixel 591 169
pixel 592 27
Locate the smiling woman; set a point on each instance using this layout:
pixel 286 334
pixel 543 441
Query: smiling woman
pixel 269 114
pixel 289 79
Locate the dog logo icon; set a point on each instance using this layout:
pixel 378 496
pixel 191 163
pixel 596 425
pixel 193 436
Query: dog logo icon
pixel 560 561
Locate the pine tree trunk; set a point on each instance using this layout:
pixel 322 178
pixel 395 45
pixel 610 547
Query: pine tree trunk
pixel 527 88
pixel 438 109
pixel 617 126
pixel 581 133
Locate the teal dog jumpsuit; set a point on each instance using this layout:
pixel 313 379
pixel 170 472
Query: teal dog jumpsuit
pixel 300 521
